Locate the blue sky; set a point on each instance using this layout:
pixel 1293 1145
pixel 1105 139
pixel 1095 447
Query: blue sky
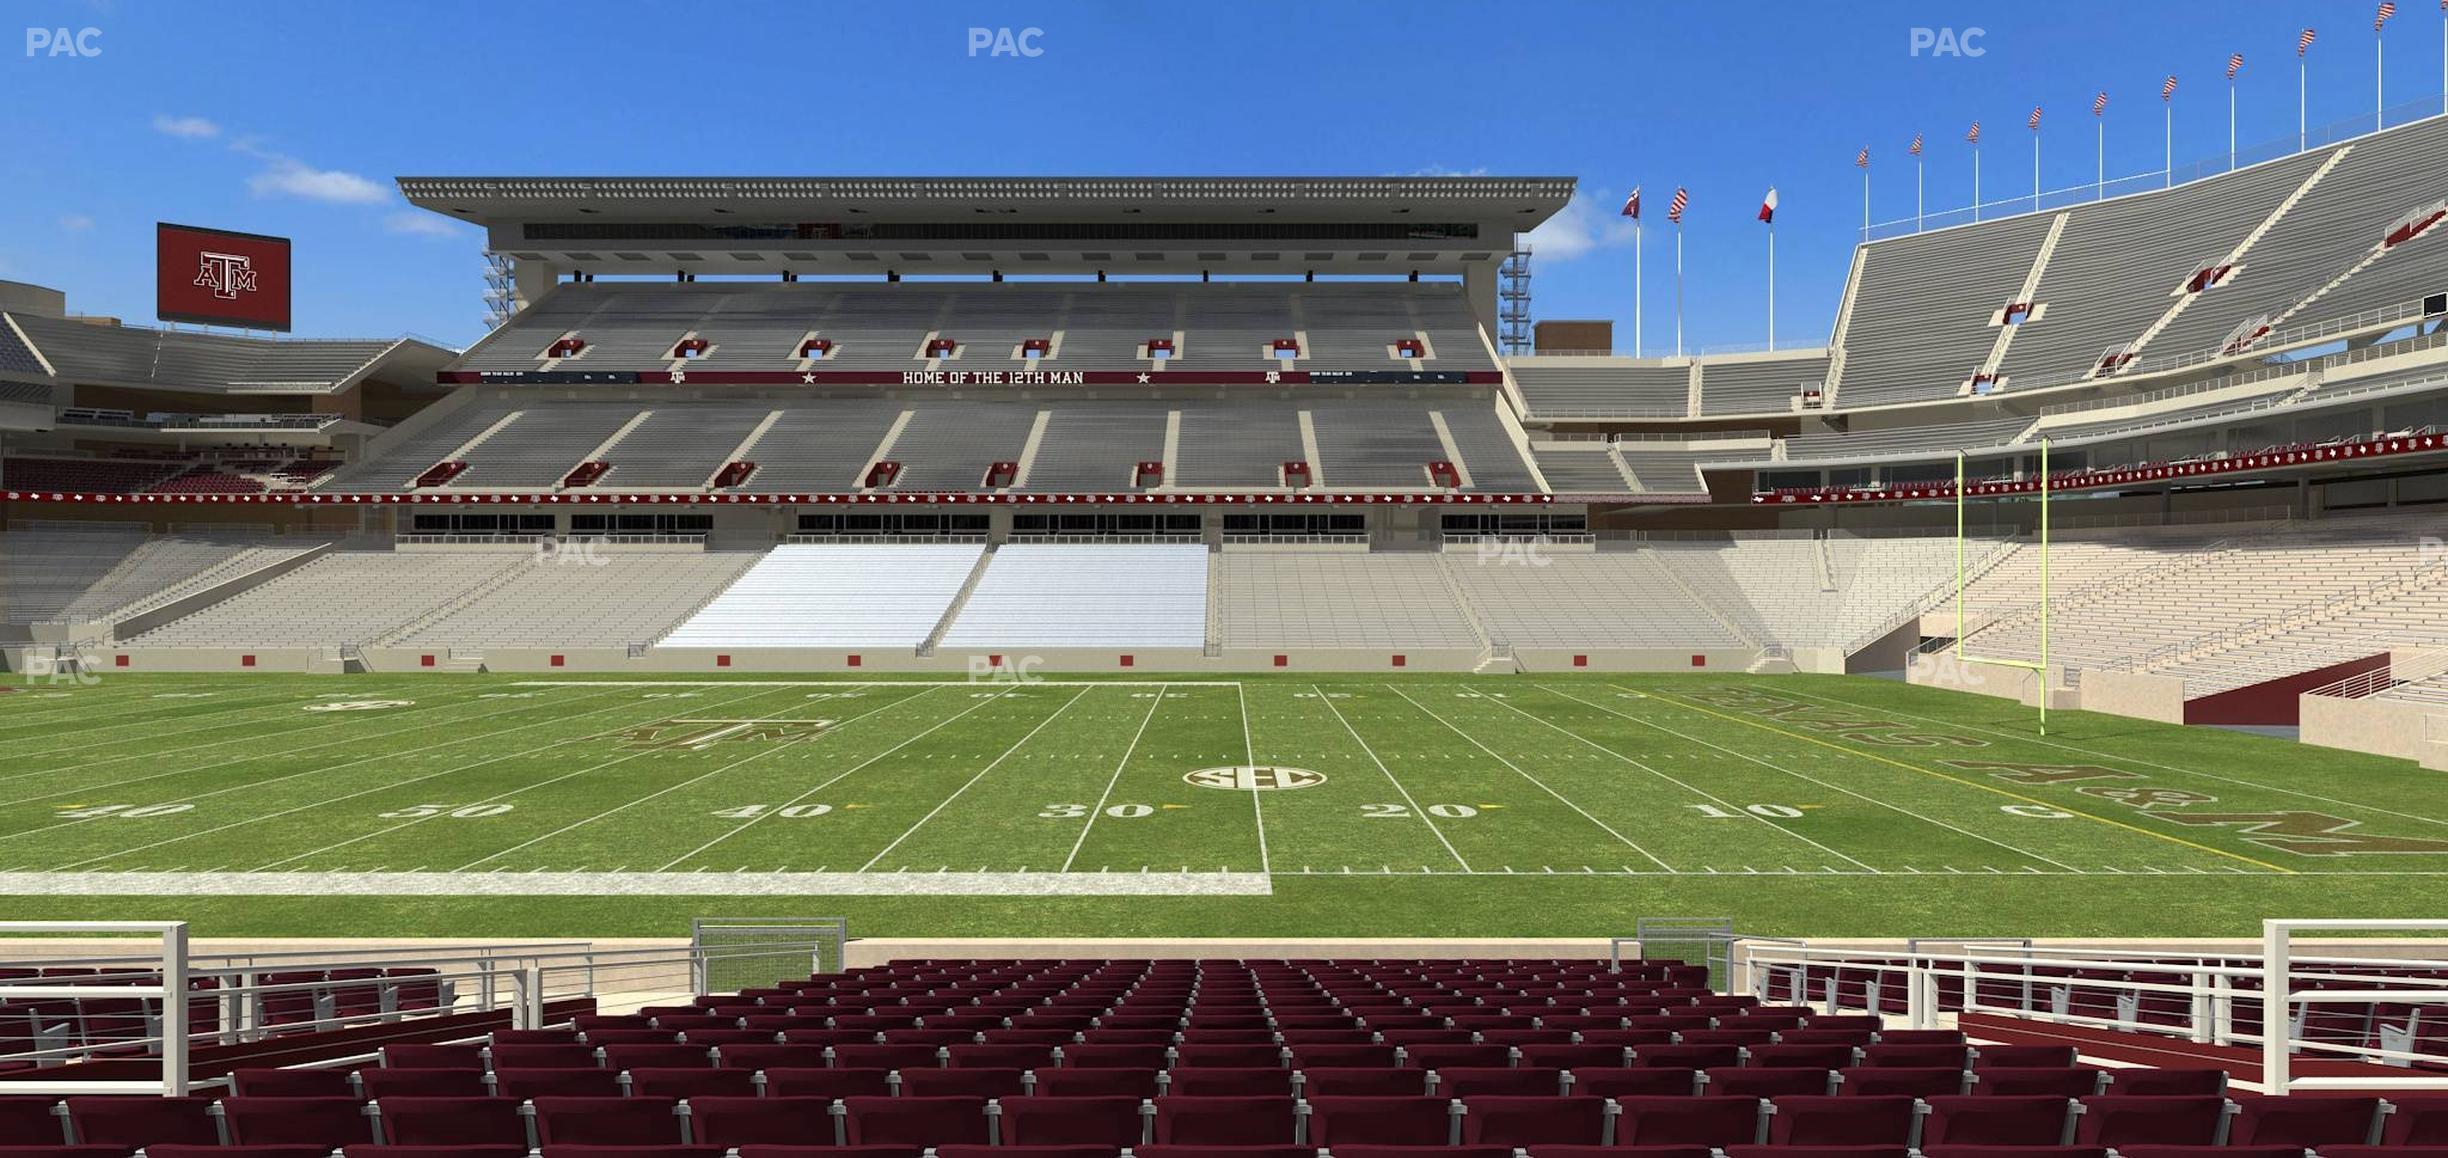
pixel 292 118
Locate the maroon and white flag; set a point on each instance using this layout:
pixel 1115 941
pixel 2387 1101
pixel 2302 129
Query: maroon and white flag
pixel 1768 205
pixel 1631 207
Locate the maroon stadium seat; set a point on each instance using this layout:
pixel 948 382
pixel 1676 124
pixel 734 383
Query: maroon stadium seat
pixel 1530 1121
pixel 1199 1120
pixel 607 1121
pixel 1108 1121
pixel 729 1121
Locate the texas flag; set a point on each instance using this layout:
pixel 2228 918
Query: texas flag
pixel 1767 211
pixel 1631 207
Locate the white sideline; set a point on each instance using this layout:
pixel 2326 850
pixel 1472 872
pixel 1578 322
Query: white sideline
pixel 658 884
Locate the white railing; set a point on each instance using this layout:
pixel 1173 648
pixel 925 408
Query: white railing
pixel 169 999
pixel 2205 998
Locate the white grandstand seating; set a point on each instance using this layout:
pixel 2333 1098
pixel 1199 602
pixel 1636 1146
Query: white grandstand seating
pixel 583 599
pixel 1669 471
pixel 1321 599
pixel 172 566
pixel 2433 690
pixel 2153 616
pixel 820 448
pixel 949 448
pixel 1489 456
pixel 2081 560
pixel 45 570
pixel 1087 595
pixel 1905 440
pixel 1582 468
pixel 1801 592
pixel 1374 445
pixel 346 597
pixel 401 457
pixel 834 595
pixel 1607 599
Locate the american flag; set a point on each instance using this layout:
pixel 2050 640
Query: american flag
pixel 1861 160
pixel 1915 150
pixel 2235 61
pixel 2035 119
pixel 1675 208
pixel 1974 135
pixel 1631 207
pixel 2305 41
pixel 2167 91
pixel 2387 9
pixel 2099 104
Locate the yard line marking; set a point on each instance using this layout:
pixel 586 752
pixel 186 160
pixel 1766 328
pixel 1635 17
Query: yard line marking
pixel 1106 795
pixel 956 793
pixel 2110 822
pixel 259 817
pixel 1898 808
pixel 784 745
pixel 1542 785
pixel 1249 756
pixel 220 708
pixel 1416 810
pixel 852 771
pixel 1035 683
pixel 595 767
pixel 1710 797
pixel 422 706
pixel 2107 758
pixel 278 779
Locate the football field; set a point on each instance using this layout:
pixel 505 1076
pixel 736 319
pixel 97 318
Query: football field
pixel 1429 805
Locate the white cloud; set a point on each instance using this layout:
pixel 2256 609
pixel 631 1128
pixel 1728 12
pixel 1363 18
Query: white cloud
pixel 190 128
pixel 1588 222
pixel 76 222
pixel 290 177
pixel 418 223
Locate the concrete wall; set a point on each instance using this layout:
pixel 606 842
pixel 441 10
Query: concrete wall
pixel 2377 726
pixel 904 659
pixel 2135 695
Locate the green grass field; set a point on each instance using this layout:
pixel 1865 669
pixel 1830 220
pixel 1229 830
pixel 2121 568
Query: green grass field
pixel 1415 806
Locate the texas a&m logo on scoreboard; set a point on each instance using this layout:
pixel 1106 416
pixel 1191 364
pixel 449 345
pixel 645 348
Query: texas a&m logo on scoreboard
pixel 219 278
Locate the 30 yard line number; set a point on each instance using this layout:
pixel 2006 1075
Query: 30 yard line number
pixel 1080 811
pixel 124 811
pixel 460 812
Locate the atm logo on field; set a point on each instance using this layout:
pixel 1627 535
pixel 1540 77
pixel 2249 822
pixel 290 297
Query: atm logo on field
pixel 699 735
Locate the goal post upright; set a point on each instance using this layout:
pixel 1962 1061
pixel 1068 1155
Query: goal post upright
pixel 2041 668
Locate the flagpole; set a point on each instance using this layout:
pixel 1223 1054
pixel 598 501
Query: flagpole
pixel 1917 185
pixel 2231 132
pixel 1772 285
pixel 1976 180
pixel 1636 287
pixel 2379 79
pixel 2035 169
pixel 2171 143
pixel 1678 294
pixel 2303 66
pixel 1865 202
pixel 2099 190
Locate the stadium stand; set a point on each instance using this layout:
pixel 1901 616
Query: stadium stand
pixel 347 597
pixel 583 598
pixel 1608 599
pixel 49 569
pixel 1753 384
pixel 1087 595
pixel 1573 388
pixel 1324 599
pixel 1221 326
pixel 85 350
pixel 834 595
pixel 1918 319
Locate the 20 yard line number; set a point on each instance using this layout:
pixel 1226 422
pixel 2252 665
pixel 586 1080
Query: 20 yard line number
pixel 1764 811
pixel 124 811
pixel 1400 811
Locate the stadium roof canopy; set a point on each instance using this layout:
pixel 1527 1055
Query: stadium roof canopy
pixel 823 226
